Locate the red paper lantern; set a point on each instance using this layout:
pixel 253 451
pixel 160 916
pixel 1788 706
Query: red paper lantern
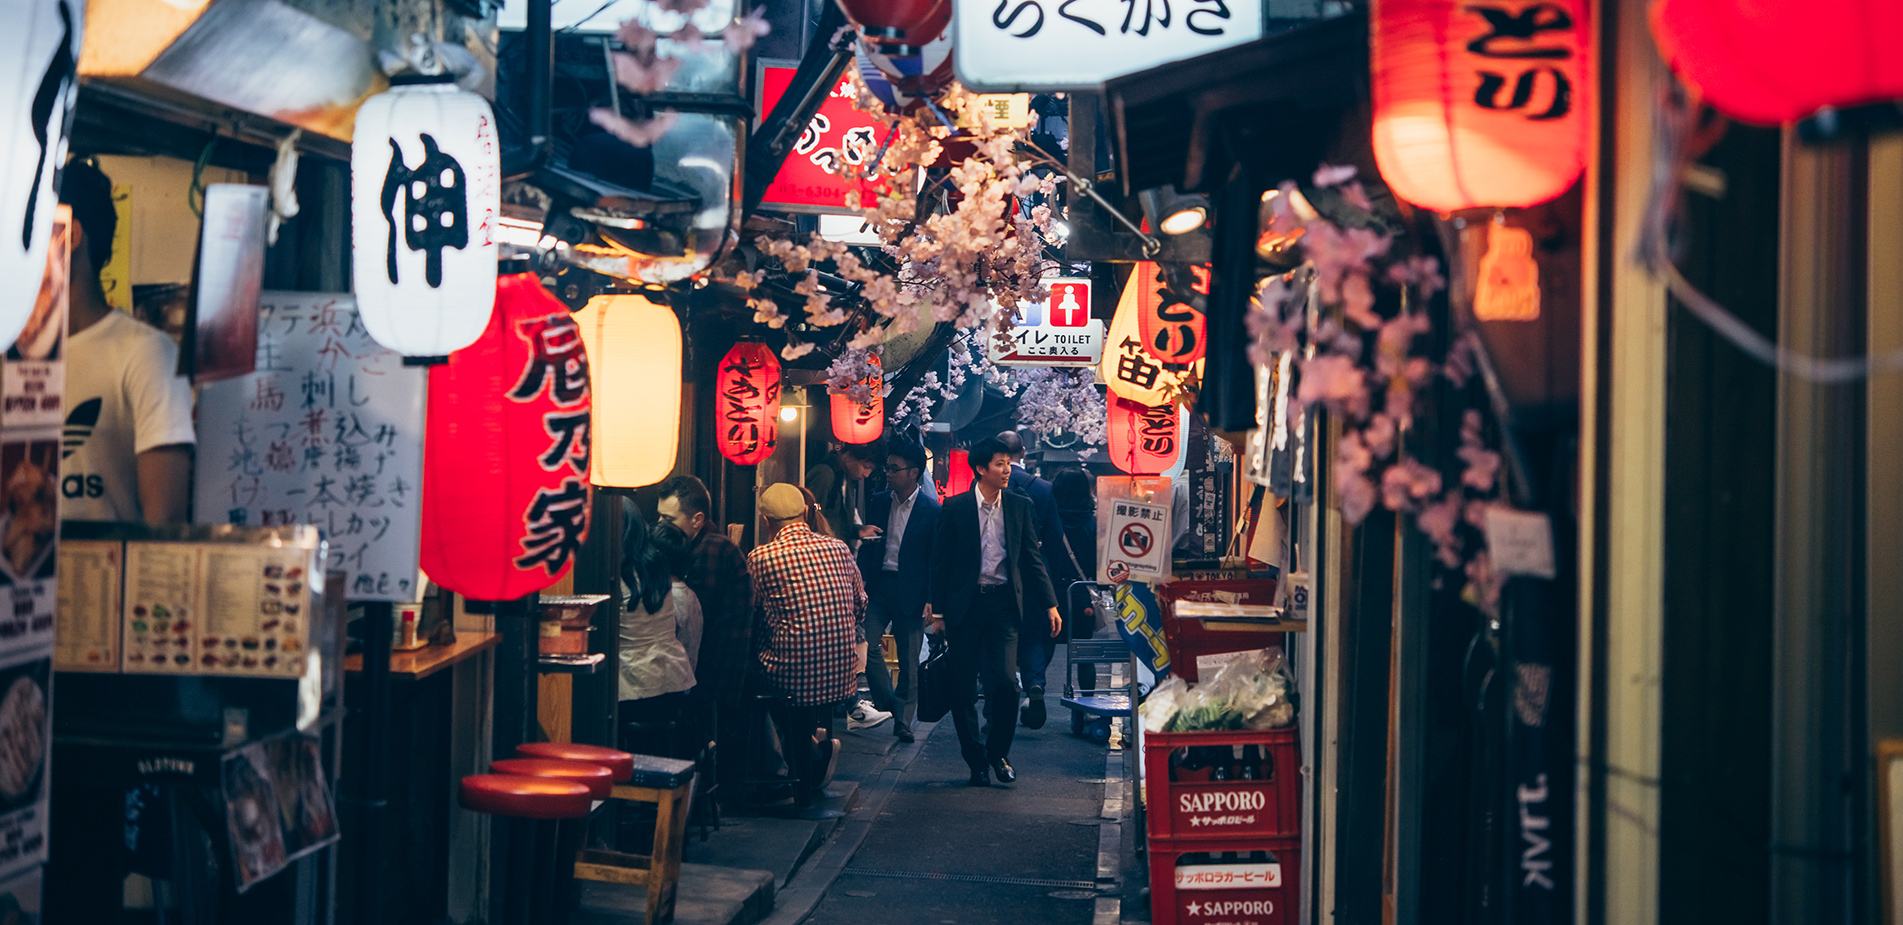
pixel 899 22
pixel 958 474
pixel 1776 61
pixel 1481 104
pixel 1144 439
pixel 1173 331
pixel 505 455
pixel 749 400
pixel 857 423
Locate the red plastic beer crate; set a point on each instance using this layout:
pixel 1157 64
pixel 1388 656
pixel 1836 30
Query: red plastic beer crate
pixel 1190 638
pixel 1227 891
pixel 1203 810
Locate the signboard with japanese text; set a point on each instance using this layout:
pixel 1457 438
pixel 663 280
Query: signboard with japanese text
pixel 327 431
pixel 32 387
pixel 1059 332
pixel 1136 545
pixel 813 177
pixel 1046 45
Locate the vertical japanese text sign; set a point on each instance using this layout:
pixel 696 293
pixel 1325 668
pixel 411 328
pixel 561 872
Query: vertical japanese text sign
pixel 327 431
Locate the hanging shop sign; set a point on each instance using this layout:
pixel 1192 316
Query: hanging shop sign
pixel 425 192
pixel 327 431
pixel 230 276
pixel 1059 332
pixel 857 423
pixel 1136 546
pixel 1171 321
pixel 1146 439
pixel 505 459
pixel 634 347
pixel 41 45
pixel 749 400
pixel 1129 367
pixel 1785 59
pixel 1037 45
pixel 1480 104
pixel 840 137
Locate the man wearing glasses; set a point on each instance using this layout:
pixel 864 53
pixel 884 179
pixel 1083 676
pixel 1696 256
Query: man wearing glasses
pixel 895 556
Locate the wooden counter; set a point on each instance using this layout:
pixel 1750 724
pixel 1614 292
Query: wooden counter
pixel 421 663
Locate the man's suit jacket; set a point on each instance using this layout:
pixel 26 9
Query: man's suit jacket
pixel 915 555
pixel 1050 525
pixel 956 555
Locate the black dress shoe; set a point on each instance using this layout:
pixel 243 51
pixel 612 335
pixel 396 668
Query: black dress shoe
pixel 904 734
pixel 1034 708
pixel 1002 768
pixel 980 778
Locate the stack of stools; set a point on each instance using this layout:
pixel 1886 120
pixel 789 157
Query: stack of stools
pixel 530 814
pixel 665 782
pixel 1224 826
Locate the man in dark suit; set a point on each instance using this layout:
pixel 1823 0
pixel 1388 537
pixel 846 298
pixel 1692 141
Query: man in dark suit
pixel 1034 648
pixel 986 571
pixel 897 564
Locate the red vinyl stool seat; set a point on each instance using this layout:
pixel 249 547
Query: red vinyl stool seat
pixel 619 762
pixel 597 777
pixel 526 797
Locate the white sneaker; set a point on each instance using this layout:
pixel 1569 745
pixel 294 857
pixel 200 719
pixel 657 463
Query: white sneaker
pixel 865 716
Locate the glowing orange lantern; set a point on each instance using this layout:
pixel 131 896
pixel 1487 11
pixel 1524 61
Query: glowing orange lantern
pixel 1144 439
pixel 1480 104
pixel 506 452
pixel 857 423
pixel 749 398
pixel 1173 330
pixel 1775 61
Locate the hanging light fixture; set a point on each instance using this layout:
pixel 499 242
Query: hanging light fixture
pixel 36 103
pixel 425 191
pixel 506 452
pixel 1480 105
pixel 634 369
pixel 749 400
pixel 861 423
pixel 1145 439
pixel 1776 61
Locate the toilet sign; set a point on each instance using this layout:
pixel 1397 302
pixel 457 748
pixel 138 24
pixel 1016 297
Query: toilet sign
pixel 1059 332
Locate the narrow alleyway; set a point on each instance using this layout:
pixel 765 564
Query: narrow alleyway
pixel 942 852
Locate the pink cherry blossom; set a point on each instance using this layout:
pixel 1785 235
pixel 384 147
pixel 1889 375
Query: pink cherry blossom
pixel 743 32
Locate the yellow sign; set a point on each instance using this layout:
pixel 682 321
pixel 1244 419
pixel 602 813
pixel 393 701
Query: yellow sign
pixel 116 277
pixel 1012 110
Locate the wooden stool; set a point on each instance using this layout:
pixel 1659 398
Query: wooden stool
pixel 531 808
pixel 671 792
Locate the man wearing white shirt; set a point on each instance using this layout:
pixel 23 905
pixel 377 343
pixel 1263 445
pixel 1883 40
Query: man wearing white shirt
pixel 896 560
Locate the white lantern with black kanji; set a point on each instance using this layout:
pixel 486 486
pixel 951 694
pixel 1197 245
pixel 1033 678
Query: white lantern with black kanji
pixel 38 53
pixel 425 191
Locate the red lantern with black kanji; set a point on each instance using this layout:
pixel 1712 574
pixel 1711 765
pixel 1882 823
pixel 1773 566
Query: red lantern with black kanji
pixel 1776 61
pixel 1144 439
pixel 1173 330
pixel 505 455
pixel 1481 103
pixel 857 423
pixel 749 398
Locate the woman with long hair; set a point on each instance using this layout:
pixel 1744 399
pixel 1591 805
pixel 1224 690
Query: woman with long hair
pixel 660 626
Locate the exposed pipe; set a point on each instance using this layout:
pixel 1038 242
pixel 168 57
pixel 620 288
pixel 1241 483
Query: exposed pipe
pixel 540 36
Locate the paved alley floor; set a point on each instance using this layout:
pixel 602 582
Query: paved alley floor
pixel 943 853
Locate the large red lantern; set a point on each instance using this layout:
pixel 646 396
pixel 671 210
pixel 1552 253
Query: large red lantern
pixel 749 384
pixel 1145 439
pixel 909 23
pixel 958 474
pixel 1173 330
pixel 505 455
pixel 857 423
pixel 1481 104
pixel 1776 61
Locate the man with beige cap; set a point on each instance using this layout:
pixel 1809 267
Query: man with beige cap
pixel 809 598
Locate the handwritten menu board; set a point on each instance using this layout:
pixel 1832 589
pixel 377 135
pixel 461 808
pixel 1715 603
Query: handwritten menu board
pixel 327 431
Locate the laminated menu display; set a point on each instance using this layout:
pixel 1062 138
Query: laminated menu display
pixel 89 605
pixel 216 609
pixel 161 607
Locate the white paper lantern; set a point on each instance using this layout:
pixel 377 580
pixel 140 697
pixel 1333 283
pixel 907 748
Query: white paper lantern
pixel 425 194
pixel 38 50
pixel 634 376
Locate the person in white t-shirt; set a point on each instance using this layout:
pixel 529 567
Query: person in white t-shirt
pixel 127 454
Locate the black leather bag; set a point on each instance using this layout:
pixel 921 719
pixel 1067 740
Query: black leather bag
pixel 934 686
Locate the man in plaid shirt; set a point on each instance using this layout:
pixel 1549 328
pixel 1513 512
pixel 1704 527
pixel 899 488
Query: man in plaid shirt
pixel 809 597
